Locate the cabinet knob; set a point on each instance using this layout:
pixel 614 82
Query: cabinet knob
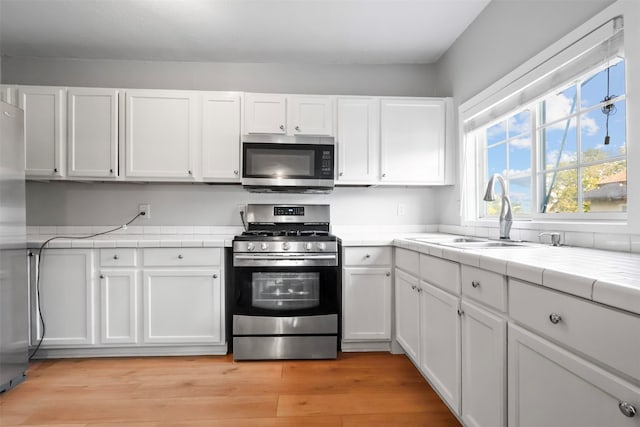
pixel 235 172
pixel 116 256
pixel 475 283
pixel 460 312
pixel 110 170
pixel 281 127
pixel 180 256
pixel 340 174
pixel 367 256
pixel 190 173
pixel 298 128
pixel 215 276
pixel 102 276
pixel 413 287
pixel 55 170
pixel 555 318
pixel 419 289
pixel 388 274
pixel 627 409
pixel 384 174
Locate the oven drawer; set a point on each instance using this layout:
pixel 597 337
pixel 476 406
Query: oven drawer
pixel 276 325
pixel 607 335
pixel 173 257
pixel 373 255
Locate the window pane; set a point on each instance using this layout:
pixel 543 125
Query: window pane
pixel 593 131
pixel 497 133
pixel 605 187
pixel 520 155
pixel 520 123
pixel 558 105
pixel 559 145
pixel 563 197
pixel 594 88
pixel 496 160
pixel 520 193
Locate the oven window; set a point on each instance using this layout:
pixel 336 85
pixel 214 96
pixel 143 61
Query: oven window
pixel 285 291
pixel 276 163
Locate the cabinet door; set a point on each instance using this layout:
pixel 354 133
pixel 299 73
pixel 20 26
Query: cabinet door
pixel 440 338
pixel 265 113
pixel 182 306
pixel 408 314
pixel 358 140
pixel 44 129
pixel 221 137
pixel 311 115
pixel 549 386
pixel 367 304
pixel 92 132
pixel 66 297
pixel 484 368
pixel 162 132
pixel 118 307
pixel 412 141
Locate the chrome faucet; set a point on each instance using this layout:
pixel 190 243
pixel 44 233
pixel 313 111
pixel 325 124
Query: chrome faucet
pixel 506 217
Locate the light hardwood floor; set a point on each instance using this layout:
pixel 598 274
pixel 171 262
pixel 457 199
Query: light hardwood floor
pixel 359 389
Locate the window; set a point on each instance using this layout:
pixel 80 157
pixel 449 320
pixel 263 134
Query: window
pixel 564 154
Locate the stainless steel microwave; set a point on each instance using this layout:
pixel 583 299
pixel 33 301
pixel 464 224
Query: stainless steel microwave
pixel 279 163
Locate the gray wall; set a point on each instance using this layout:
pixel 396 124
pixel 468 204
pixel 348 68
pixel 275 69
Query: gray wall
pixel 504 36
pixel 407 80
pixel 68 203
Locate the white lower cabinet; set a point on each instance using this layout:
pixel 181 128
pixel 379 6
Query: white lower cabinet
pixel 171 302
pixel 440 339
pixel 408 314
pixel 484 367
pixel 182 306
pixel 66 292
pixel 549 386
pixel 367 304
pixel 118 307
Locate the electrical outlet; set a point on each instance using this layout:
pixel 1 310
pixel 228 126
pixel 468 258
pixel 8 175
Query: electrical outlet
pixel 402 209
pixel 146 208
pixel 241 208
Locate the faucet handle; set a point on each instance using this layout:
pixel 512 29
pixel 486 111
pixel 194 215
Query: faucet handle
pixel 555 237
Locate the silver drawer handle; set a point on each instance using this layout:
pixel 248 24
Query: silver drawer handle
pixel 116 257
pixel 298 128
pixel 414 287
pixel 388 274
pixel 215 276
pixel 281 127
pixel 555 318
pixel 460 312
pixel 475 283
pixel 627 409
pixel 102 276
pixel 367 256
pixel 180 256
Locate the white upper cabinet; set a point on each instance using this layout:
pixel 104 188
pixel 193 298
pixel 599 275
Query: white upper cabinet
pixel 265 113
pixel 8 94
pixel 358 140
pixel 288 114
pixel 221 136
pixel 162 134
pixel 311 115
pixel 92 132
pixel 44 129
pixel 413 140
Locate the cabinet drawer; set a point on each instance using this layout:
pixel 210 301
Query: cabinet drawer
pixel 607 335
pixel 118 257
pixel 408 261
pixel 442 273
pixel 485 286
pixel 171 257
pixel 374 255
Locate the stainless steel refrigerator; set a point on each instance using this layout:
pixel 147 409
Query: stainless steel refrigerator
pixel 14 311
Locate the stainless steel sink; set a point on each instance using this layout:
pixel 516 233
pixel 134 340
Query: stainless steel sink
pixel 445 241
pixel 469 242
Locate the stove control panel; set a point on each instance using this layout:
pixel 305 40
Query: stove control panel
pixel 288 210
pixel 294 247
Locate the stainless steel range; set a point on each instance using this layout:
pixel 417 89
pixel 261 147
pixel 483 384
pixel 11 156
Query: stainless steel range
pixel 286 284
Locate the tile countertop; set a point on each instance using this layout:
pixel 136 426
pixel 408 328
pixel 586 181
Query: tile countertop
pixel 607 277
pixel 135 241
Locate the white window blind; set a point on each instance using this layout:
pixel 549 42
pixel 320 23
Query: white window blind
pixel 595 48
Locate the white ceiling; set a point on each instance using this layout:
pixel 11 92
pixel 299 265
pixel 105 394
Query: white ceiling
pixel 287 31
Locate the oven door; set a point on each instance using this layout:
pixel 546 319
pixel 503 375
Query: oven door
pixel 286 291
pixel 287 165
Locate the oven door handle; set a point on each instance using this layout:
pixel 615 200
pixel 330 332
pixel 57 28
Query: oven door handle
pixel 286 257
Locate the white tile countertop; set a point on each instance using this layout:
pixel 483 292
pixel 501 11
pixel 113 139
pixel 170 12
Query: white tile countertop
pixel 607 277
